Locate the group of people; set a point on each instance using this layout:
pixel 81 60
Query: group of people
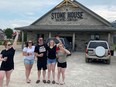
pixel 47 54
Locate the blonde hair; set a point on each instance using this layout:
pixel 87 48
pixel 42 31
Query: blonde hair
pixel 51 41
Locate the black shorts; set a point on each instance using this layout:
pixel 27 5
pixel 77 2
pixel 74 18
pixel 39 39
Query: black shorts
pixel 62 65
pixel 42 65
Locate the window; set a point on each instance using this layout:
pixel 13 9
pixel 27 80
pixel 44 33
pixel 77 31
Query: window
pixel 96 44
pixel 95 37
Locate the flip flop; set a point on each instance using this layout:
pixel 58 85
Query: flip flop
pixel 62 83
pixel 28 81
pixel 48 81
pixel 57 83
pixel 38 81
pixel 44 81
pixel 53 82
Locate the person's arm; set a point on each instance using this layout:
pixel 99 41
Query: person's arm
pixel 58 38
pixel 15 40
pixel 2 59
pixel 66 51
pixel 25 51
pixel 38 55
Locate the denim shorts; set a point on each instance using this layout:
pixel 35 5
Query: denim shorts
pixel 27 61
pixel 49 61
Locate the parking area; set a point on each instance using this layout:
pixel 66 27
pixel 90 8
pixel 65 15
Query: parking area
pixel 78 73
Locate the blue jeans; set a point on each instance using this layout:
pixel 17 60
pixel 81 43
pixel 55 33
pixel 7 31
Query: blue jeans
pixel 49 61
pixel 27 61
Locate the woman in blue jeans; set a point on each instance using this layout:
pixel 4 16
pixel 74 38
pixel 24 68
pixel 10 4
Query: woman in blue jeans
pixel 28 53
pixel 51 61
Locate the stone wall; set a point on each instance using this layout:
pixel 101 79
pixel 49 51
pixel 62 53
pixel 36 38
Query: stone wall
pixel 81 40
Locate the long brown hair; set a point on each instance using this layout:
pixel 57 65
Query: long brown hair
pixel 26 45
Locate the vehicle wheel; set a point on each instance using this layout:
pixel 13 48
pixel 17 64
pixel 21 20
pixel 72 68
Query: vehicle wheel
pixel 108 61
pixel 86 60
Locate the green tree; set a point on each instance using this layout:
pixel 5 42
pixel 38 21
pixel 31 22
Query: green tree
pixel 8 33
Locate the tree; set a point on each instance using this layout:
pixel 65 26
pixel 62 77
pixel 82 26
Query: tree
pixel 8 33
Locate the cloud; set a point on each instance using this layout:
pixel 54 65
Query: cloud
pixel 15 23
pixel 25 5
pixel 18 13
pixel 107 12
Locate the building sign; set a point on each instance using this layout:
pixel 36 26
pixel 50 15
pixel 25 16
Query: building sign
pixel 66 16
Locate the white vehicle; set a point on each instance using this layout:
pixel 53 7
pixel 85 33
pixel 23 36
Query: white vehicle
pixel 99 50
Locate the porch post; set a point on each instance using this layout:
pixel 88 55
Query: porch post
pixel 109 38
pixel 22 39
pixel 73 41
pixel 49 34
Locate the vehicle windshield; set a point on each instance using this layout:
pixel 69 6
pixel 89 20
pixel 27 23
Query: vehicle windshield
pixel 96 44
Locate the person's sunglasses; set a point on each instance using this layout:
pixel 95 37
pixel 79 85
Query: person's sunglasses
pixel 29 42
pixel 40 39
pixel 9 44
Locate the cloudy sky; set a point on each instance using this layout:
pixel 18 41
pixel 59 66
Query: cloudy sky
pixel 18 13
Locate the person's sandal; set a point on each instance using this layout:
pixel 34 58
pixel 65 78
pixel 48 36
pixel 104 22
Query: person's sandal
pixel 57 83
pixel 38 81
pixel 48 81
pixel 62 83
pixel 28 81
pixel 44 81
pixel 53 82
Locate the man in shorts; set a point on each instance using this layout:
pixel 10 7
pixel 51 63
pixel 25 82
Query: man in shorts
pixel 40 53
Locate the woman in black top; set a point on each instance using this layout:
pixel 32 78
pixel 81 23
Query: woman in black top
pixel 51 61
pixel 7 57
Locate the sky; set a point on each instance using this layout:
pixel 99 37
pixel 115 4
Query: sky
pixel 18 13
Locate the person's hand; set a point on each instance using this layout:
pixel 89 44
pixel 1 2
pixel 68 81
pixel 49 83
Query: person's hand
pixel 5 59
pixel 30 53
pixel 41 55
pixel 57 38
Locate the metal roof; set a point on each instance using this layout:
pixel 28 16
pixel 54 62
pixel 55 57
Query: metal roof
pixel 66 28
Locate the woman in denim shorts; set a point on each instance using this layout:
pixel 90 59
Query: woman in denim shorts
pixel 28 53
pixel 51 61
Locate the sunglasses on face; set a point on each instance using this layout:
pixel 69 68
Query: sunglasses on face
pixel 29 42
pixel 9 44
pixel 40 39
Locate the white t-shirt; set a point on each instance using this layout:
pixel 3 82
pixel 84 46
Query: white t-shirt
pixel 29 50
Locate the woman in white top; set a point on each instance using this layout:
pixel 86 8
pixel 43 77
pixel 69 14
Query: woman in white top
pixel 28 53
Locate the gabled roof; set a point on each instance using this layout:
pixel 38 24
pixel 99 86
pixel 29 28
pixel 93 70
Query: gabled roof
pixel 74 3
pixel 106 27
pixel 69 28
